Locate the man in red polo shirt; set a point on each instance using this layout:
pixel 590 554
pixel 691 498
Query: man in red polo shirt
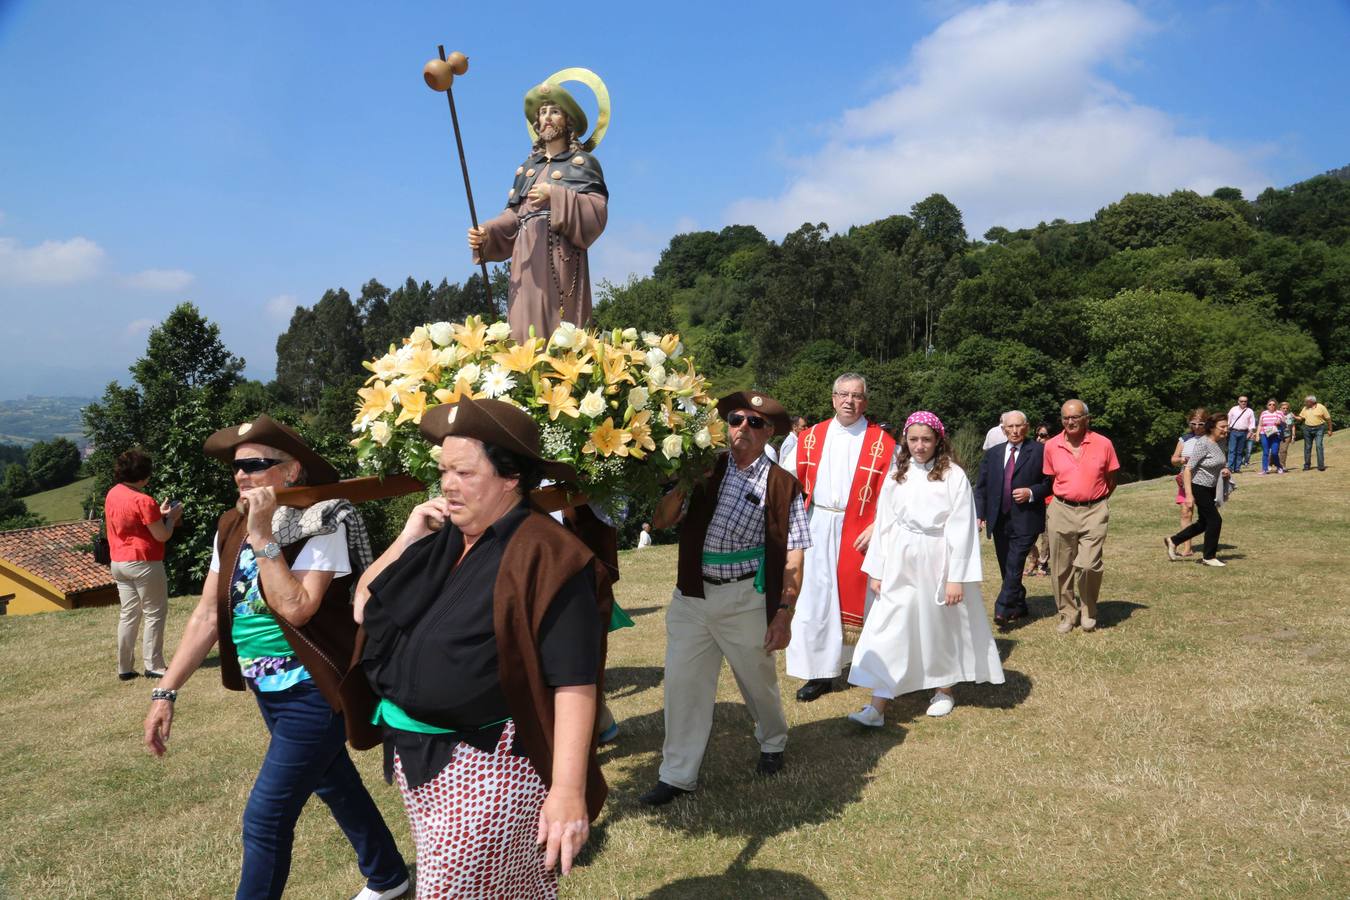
pixel 1084 465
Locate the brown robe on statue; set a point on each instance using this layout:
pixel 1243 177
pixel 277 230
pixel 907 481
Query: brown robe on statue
pixel 545 295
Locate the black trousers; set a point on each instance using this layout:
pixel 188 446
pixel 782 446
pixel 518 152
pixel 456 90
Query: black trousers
pixel 1207 521
pixel 1011 548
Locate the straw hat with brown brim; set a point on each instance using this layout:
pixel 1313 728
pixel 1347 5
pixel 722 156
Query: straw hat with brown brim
pixel 759 403
pixel 497 423
pixel 270 433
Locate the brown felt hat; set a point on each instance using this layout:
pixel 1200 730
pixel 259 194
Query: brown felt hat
pixel 759 403
pixel 493 422
pixel 271 433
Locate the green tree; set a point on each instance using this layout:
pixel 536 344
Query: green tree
pixel 644 304
pixel 14 513
pixel 54 463
pixel 17 482
pixel 322 346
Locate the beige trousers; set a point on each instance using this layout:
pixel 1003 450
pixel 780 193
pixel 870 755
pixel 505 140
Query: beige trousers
pixel 700 631
pixel 144 591
pixel 1077 537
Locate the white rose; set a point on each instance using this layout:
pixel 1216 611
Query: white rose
pixel 655 357
pixel 418 336
pixel 441 333
pixel 656 376
pixel 650 338
pixel 672 446
pixel 703 437
pixel 469 373
pixel 435 453
pixel 629 334
pixel 448 356
pixel 567 336
pixel 381 432
pixel 593 404
pixel 499 331
pixel 637 398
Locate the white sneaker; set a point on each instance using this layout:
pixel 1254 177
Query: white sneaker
pixel 942 704
pixel 869 715
pixel 1216 562
pixel 397 890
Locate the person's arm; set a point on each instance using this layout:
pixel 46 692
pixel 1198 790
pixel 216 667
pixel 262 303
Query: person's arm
pixel 198 638
pixel 1186 487
pixel 422 521
pixel 580 218
pixel 1178 455
pixel 564 824
pixel 493 240
pixel 980 480
pixel 161 519
pixel 294 596
pixel 780 627
pixel 963 540
pixel 669 510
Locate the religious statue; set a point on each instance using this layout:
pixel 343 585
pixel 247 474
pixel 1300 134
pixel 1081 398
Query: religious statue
pixel 555 210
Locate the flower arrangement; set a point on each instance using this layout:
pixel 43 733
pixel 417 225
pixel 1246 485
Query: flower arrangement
pixel 628 411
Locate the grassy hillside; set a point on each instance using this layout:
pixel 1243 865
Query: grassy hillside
pixel 60 504
pixel 1195 746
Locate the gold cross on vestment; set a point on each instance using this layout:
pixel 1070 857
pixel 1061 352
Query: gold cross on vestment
pixel 865 492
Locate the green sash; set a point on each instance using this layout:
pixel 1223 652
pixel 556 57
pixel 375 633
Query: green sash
pixel 259 635
pixel 618 618
pixel 749 554
pixel 390 713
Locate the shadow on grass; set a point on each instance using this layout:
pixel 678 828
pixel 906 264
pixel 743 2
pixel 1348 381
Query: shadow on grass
pixel 625 681
pixel 642 611
pixel 1112 612
pixel 1037 608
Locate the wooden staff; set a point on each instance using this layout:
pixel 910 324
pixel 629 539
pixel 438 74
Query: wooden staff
pixel 441 78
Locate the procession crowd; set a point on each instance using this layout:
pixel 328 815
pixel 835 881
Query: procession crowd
pixel 472 649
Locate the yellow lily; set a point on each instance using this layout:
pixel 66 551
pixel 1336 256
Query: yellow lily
pixel 472 335
pixel 558 398
pixel 717 427
pixel 414 405
pixel 608 440
pixel 614 365
pixel 375 401
pixel 670 343
pixel 570 367
pixel 520 358
pixel 640 427
pixel 462 388
pixel 385 368
pixel 423 363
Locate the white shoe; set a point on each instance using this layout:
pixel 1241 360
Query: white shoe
pixel 1171 549
pixel 869 715
pixel 397 890
pixel 1216 562
pixel 942 704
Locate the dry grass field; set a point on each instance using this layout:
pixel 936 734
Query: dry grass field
pixel 1195 746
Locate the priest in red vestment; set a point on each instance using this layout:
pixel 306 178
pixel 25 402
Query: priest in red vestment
pixel 840 463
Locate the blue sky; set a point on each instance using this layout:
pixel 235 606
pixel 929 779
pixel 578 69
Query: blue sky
pixel 247 156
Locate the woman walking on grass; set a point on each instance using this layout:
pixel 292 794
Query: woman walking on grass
pixel 1269 426
pixel 1202 478
pixel 927 628
pixel 1196 423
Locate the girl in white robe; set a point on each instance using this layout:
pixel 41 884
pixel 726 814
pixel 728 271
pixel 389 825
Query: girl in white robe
pixel 926 628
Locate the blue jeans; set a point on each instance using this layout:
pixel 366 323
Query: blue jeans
pixel 308 755
pixel 1311 434
pixel 1237 450
pixel 1270 451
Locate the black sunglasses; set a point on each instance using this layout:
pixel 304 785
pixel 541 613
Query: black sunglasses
pixel 735 420
pixel 254 464
pixel 1042 434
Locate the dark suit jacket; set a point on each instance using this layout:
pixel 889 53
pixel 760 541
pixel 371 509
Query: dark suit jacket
pixel 1027 518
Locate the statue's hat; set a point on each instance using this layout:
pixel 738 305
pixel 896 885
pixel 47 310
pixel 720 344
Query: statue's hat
pixel 557 95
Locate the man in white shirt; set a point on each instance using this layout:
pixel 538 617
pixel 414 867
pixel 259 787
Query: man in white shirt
pixel 1241 423
pixel 995 436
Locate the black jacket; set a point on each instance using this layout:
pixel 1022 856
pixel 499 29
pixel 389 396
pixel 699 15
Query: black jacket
pixel 1027 518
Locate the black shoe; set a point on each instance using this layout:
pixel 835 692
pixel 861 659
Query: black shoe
pixel 126 676
pixel 151 673
pixel 815 689
pixel 769 763
pixel 661 794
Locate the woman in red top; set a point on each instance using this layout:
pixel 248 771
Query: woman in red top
pixel 137 529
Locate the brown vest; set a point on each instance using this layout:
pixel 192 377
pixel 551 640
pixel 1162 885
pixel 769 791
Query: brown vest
pixel 324 643
pixel 539 559
pixel 779 494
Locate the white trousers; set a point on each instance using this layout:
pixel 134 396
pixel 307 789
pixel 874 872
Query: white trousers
pixel 727 622
pixel 817 648
pixel 143 590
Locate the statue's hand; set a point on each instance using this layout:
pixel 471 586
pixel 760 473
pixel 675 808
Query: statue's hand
pixel 540 193
pixel 477 236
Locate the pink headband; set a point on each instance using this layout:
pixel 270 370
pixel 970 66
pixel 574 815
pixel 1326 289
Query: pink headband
pixel 923 417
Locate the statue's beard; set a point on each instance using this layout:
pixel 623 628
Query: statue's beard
pixel 550 133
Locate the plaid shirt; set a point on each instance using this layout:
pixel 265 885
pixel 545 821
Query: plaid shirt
pixel 738 522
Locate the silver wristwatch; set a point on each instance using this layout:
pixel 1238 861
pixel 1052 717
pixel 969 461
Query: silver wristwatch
pixel 271 550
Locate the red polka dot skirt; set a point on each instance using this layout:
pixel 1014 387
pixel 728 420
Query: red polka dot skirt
pixel 476 824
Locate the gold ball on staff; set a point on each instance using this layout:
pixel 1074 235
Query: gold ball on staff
pixel 459 63
pixel 438 75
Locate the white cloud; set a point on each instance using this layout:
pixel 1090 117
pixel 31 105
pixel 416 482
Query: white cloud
pixel 51 262
pixel 139 327
pixel 159 280
pixel 1003 109
pixel 282 307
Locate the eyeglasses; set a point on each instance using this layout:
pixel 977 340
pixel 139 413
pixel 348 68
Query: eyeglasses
pixel 850 395
pixel 735 420
pixel 1196 424
pixel 1072 418
pixel 255 464
pixel 1042 435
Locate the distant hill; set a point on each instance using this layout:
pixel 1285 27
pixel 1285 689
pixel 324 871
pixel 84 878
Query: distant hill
pixel 1341 174
pixel 33 419
pixel 61 504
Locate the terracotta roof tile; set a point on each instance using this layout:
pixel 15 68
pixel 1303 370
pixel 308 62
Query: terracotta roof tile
pixel 48 551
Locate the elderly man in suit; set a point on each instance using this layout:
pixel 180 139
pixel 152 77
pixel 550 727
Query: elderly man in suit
pixel 1010 497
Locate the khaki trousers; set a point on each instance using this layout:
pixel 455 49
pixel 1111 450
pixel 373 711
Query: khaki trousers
pixel 1077 536
pixel 700 631
pixel 144 591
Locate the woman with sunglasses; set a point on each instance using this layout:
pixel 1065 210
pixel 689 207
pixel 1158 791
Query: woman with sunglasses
pixel 1038 560
pixel 1195 423
pixel 278 599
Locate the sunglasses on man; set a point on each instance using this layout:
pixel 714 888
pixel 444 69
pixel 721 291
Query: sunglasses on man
pixel 736 420
pixel 252 465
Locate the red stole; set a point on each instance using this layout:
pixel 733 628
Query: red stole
pixel 874 460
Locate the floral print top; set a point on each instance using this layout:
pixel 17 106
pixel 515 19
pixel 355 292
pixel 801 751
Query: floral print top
pixel 265 657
